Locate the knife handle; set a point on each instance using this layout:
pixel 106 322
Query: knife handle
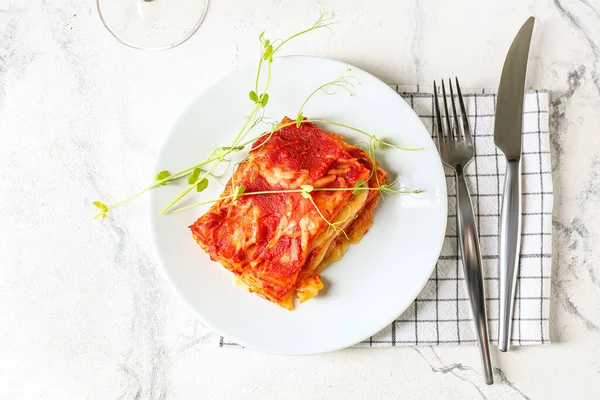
pixel 473 268
pixel 509 249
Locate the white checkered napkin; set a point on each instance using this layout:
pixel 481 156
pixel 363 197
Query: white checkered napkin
pixel 441 314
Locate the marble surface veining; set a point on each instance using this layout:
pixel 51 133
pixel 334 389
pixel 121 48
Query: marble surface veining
pixel 84 310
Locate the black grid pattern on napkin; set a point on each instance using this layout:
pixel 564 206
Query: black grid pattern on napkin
pixel 441 313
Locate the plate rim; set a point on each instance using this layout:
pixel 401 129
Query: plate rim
pixel 161 262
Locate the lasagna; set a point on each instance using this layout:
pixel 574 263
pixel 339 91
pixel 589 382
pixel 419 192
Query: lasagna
pixel 277 243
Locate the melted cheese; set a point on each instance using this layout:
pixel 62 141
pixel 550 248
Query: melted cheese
pixel 276 244
pixel 308 286
pixel 342 220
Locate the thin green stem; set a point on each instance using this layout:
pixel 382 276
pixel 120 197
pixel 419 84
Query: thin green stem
pixel 260 62
pixel 311 95
pixel 384 188
pixel 342 189
pixel 240 135
pixel 270 133
pixel 334 226
pixel 157 183
pixel 171 178
pixel 198 204
pixel 189 189
pixel 374 162
pixel 269 71
pixel 216 162
pixel 321 22
pixel 317 25
pixel 400 148
pixel 231 196
pixel 241 131
pixel 340 81
pixel 373 137
pixel 240 141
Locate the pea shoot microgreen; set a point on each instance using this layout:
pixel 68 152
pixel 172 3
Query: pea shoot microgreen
pixel 305 191
pixel 358 187
pixel 201 185
pixel 238 192
pixel 103 209
pixel 343 81
pixel 253 96
pixel 161 176
pixel 193 178
pixel 197 175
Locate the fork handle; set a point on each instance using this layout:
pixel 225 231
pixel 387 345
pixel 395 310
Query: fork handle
pixel 509 249
pixel 469 249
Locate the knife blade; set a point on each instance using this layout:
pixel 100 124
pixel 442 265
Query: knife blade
pixel 508 126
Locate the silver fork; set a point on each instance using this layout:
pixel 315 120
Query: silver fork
pixel 456 151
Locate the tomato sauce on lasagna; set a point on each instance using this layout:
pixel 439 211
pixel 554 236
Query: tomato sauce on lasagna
pixel 277 243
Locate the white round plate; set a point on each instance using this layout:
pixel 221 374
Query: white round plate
pixel 376 280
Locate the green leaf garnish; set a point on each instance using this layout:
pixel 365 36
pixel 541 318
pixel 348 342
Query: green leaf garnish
pixel 198 174
pixel 238 192
pixel 253 96
pixel 100 205
pixel 221 152
pixel 343 82
pixel 264 99
pixel 162 175
pixel 375 142
pixel 194 176
pixel 103 209
pixel 357 187
pixel 307 188
pixel 268 52
pixel 203 184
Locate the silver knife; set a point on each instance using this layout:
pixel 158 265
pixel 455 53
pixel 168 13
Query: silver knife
pixel 507 137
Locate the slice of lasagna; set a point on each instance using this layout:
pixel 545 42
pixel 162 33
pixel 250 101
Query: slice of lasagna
pixel 276 243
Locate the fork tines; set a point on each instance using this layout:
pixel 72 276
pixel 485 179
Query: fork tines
pixel 462 132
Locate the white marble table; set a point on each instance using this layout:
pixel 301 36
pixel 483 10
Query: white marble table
pixel 84 310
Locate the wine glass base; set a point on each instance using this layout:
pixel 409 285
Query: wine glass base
pixel 153 25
